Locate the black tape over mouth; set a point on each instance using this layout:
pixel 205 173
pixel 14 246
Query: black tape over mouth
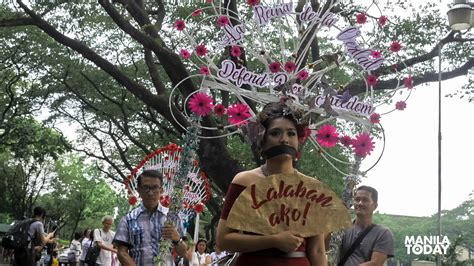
pixel 279 150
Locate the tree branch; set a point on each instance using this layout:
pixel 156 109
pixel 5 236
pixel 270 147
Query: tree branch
pixel 14 22
pixel 160 103
pixel 359 86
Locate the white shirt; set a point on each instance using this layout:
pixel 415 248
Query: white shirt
pixel 199 259
pixel 105 256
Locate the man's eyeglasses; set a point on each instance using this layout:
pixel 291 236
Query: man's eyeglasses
pixel 147 189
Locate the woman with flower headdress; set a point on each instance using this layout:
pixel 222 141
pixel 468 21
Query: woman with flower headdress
pixel 277 136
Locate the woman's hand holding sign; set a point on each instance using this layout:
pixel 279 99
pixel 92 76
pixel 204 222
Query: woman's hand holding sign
pixel 288 241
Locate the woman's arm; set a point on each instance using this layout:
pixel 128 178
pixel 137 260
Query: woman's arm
pixel 230 240
pixel 208 260
pixel 316 251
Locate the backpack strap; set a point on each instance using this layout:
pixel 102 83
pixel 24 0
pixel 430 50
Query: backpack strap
pixel 355 245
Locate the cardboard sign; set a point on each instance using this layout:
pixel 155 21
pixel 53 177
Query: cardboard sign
pixel 293 202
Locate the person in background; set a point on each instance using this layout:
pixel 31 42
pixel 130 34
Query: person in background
pixel 217 254
pixel 139 232
pixel 38 239
pixel 75 250
pixel 103 238
pixel 200 256
pixel 377 245
pixel 85 243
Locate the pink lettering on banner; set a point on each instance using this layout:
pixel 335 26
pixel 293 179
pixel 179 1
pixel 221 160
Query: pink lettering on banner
pixel 328 19
pixel 264 14
pixel 241 75
pixel 361 56
pixel 232 35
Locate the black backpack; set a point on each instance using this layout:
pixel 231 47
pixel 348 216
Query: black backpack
pixel 17 236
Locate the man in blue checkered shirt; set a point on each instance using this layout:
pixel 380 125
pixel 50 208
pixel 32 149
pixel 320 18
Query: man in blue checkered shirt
pixel 139 232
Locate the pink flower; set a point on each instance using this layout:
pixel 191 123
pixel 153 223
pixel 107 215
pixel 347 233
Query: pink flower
pixel 275 67
pixel 237 114
pixel 408 82
pixel 375 54
pixel 208 1
pixel 401 105
pixel 196 12
pixel 290 66
pixel 219 110
pixel 382 21
pixel 179 25
pixel 303 75
pixel 223 21
pixel 235 51
pixel 204 70
pixel 363 145
pixel 361 18
pixel 253 2
pixel 371 80
pixel 327 136
pixel 395 47
pixel 346 141
pixel 375 118
pixel 201 50
pixel 200 104
pixel 185 54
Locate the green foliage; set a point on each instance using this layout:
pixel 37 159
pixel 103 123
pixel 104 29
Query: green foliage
pixel 78 199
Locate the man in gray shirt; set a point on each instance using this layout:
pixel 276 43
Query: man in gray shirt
pixel 377 245
pixel 38 239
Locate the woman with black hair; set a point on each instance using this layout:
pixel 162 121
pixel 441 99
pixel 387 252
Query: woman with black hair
pixel 277 135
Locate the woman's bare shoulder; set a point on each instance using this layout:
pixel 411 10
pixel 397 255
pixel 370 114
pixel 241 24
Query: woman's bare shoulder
pixel 247 178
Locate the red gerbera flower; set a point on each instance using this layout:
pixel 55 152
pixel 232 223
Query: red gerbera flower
pixel 220 110
pixel 204 70
pixel 179 25
pixel 201 50
pixel 375 54
pixel 302 75
pixel 408 82
pixel 371 80
pixel 199 208
pixel 395 47
pixel 238 114
pixel 185 54
pixel 165 201
pixel 132 200
pixel 375 118
pixel 253 2
pixel 304 134
pixel 361 18
pixel 382 21
pixel 275 67
pixel 290 66
pixel 401 105
pixel 235 51
pixel 327 136
pixel 363 145
pixel 346 141
pixel 200 104
pixel 196 12
pixel 223 20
